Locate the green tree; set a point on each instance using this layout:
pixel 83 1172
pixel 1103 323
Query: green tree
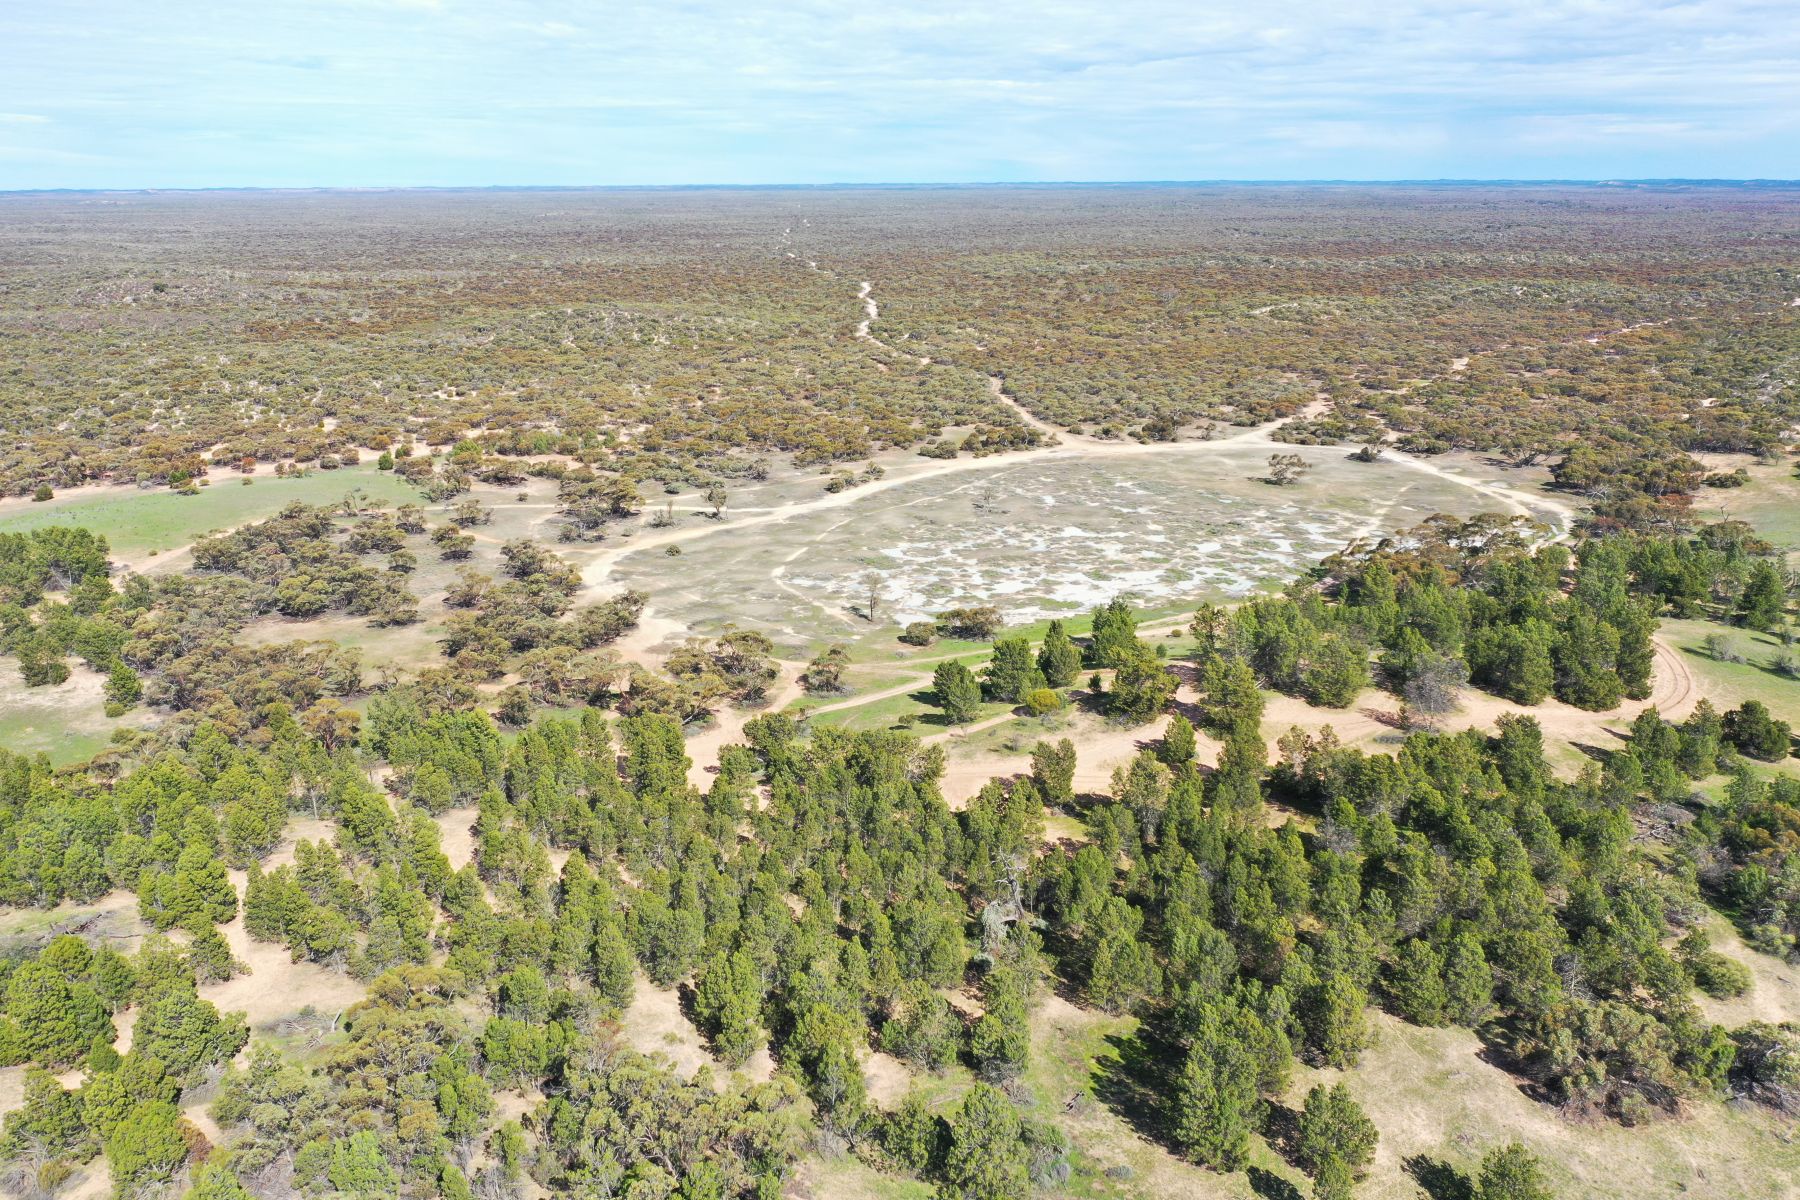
pixel 1511 1172
pixel 1178 746
pixel 146 1147
pixel 1468 982
pixel 957 692
pixel 1053 771
pixel 1215 1106
pixel 1333 1125
pixel 1336 672
pixel 985 1157
pixel 1751 729
pixel 1011 672
pixel 1142 687
pixel 54 1021
pixel 360 1167
pixel 48 1122
pixel 1417 983
pixel 911 1136
pixel 1000 1042
pixel 1334 1180
pixel 1231 699
pixel 214 1181
pixel 1333 1019
pixel 1114 637
pixel 1764 598
pixel 1059 659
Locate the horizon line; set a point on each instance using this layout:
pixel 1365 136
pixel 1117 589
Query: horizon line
pixel 893 185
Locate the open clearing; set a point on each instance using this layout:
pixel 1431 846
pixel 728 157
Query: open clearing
pixel 1049 533
pixel 144 523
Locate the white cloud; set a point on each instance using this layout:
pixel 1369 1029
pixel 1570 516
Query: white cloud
pixel 664 90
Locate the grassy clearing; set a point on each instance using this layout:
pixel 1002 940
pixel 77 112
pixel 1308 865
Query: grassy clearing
pixel 141 523
pixel 1436 1101
pixel 1751 680
pixel 68 722
pixel 1770 502
pixel 846 1177
pixel 1071 1047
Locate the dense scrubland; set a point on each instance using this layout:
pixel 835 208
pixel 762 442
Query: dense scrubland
pixel 428 860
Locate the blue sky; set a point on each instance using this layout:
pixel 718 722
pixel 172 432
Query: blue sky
pixel 158 93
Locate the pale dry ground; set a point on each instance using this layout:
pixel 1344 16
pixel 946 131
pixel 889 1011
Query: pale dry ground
pixel 653 1023
pixel 597 567
pixel 1774 994
pixel 888 1078
pixel 456 827
pixel 1431 1093
pixel 276 987
pixel 66 721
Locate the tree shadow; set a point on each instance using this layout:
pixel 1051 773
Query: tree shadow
pixel 1599 754
pixel 1136 1084
pixel 1439 1180
pixel 1270 1186
pixel 1281 1129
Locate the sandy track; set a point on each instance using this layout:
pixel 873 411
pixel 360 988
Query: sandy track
pixel 727 728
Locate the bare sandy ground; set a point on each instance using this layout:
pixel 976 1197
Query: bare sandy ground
pixel 276 987
pixel 727 727
pixel 654 1024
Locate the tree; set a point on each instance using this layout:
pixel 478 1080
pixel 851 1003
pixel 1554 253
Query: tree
pixel 923 1029
pixel 1333 1125
pixel 1764 598
pixel 985 1158
pixel 977 624
pixel 824 675
pixel 123 687
pixel 1285 469
pixel 1417 984
pixel 1114 638
pixel 1333 1180
pixel 1053 771
pixel 911 1136
pixel 727 1000
pixel 715 499
pixel 957 692
pixel 48 1123
pixel 1011 673
pixel 1336 671
pixel 1751 729
pixel 1142 687
pixel 1178 746
pixel 360 1167
pixel 1511 1172
pixel 1231 701
pixel 1000 1042
pixel 1516 661
pixel 213 1180
pixel 1215 1103
pixel 1333 1017
pixel 146 1147
pixel 1431 690
pixel 54 1021
pixel 1059 659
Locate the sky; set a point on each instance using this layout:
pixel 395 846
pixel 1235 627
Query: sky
pixel 364 93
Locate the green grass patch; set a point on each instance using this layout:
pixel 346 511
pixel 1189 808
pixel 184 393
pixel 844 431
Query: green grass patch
pixel 1749 680
pixel 159 520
